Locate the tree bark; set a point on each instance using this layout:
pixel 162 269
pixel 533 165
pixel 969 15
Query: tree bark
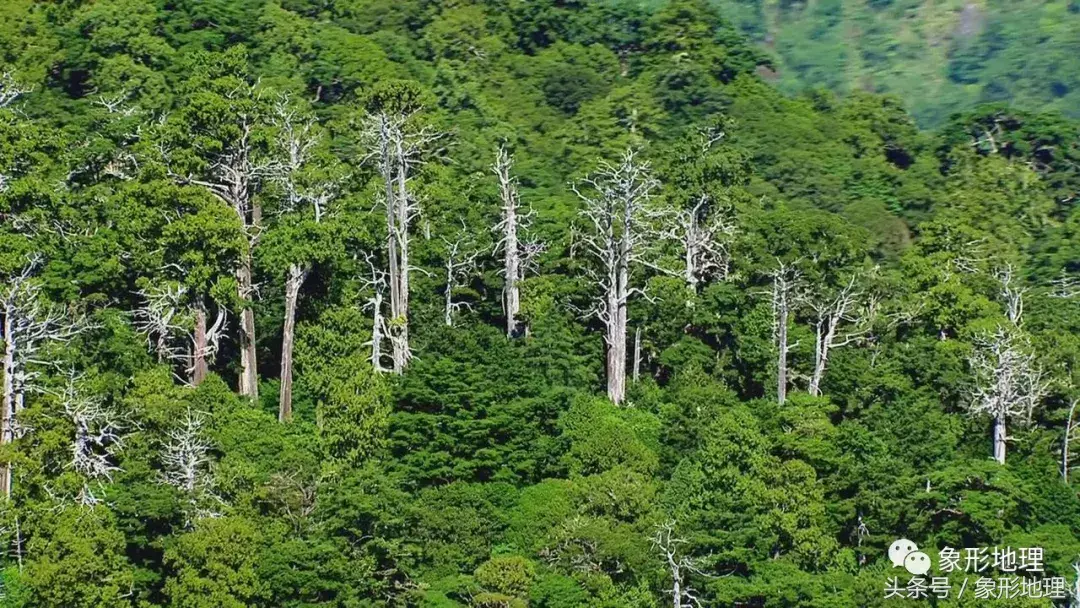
pixel 831 315
pixel 394 171
pixel 293 283
pixel 377 335
pixel 617 350
pixel 637 354
pixel 199 368
pixel 821 356
pixel 448 299
pixel 781 361
pixel 785 280
pixel 400 325
pixel 690 256
pixel 616 332
pixel 1065 441
pixel 1000 438
pixel 617 240
pixel 7 417
pixel 249 380
pixel 511 253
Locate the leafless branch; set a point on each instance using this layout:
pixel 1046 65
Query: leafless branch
pixel 1066 286
pixel 618 239
pixel 399 148
pixel 1008 381
pixel 97 436
pixel 11 89
pixel 840 320
pixel 186 459
pixel 671 549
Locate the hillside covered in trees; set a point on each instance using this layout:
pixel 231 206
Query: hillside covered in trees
pixel 502 303
pixel 939 56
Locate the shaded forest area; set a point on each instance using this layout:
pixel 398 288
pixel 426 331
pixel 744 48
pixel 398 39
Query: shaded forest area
pixel 503 304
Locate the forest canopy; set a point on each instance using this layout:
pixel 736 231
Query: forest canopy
pixel 940 57
pixel 505 303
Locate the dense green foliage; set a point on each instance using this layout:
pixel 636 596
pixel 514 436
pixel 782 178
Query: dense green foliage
pixel 494 471
pixel 941 57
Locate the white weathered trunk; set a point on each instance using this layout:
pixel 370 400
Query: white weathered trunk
pixel 7 417
pixel 637 354
pixel 394 172
pixel 249 380
pixel 704 234
pixel 512 270
pixel 199 367
pixel 1000 438
pixel 615 337
pixel 782 347
pixel 690 255
pixel 1069 430
pixel 400 327
pixel 618 239
pixel 511 251
pixel 448 296
pixel 616 359
pixel 377 332
pixel 240 194
pixel 293 283
pixel 622 297
pixel 823 340
pixel 844 308
pixel 1008 382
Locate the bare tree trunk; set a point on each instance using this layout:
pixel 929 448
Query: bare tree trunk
pixel 398 148
pixel 448 304
pixel 28 325
pixel 511 254
pixel 690 255
pixel 7 417
pixel 377 284
pixel 617 359
pixel 785 284
pixel 617 363
pixel 293 283
pixel 844 308
pixel 394 273
pixel 618 239
pixel 637 354
pixel 781 360
pixel 680 566
pixel 1069 430
pixel 397 233
pixel 821 356
pixel 999 438
pixel 249 381
pixel 705 234
pixel 460 266
pixel 241 181
pixel 204 343
pixel 378 325
pixel 402 219
pixel 199 368
pixel 511 293
pixel 1008 382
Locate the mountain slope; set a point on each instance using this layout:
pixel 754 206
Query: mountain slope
pixel 939 56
